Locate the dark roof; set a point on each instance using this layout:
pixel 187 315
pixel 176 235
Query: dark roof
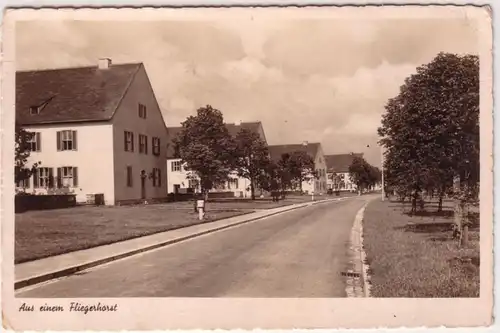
pixel 340 162
pixel 277 151
pixel 233 130
pixel 72 94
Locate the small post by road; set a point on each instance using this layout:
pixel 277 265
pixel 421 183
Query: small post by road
pixel 200 204
pixel 312 195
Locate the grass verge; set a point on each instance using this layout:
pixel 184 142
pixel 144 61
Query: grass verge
pixel 418 262
pixel 41 234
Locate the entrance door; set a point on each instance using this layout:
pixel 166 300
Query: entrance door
pixel 143 184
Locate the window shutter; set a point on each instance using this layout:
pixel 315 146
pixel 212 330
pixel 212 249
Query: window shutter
pixel 59 177
pixel 132 141
pixel 51 178
pixel 75 176
pixel 145 112
pixel 35 178
pixel 58 141
pixel 38 141
pixel 145 144
pixel 125 140
pixel 158 149
pixel 75 147
pixel 159 177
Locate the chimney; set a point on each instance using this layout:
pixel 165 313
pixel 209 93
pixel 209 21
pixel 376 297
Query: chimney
pixel 305 143
pixel 104 63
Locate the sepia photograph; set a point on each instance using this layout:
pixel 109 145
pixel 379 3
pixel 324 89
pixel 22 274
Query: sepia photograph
pixel 193 166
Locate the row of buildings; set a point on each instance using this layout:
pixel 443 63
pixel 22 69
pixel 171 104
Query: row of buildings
pixel 100 130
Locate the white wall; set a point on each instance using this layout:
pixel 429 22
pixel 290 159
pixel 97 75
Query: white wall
pixel 93 158
pixel 127 119
pixel 181 178
pixel 348 184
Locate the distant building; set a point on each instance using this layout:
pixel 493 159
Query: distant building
pixel 98 130
pixel 315 185
pixel 338 171
pixel 182 181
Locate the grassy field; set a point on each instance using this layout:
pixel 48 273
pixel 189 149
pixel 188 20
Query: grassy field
pixel 415 256
pixel 41 234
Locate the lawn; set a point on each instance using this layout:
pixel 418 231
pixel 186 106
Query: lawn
pixel 418 261
pixel 41 234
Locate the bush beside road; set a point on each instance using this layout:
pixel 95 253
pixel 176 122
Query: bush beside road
pixel 416 256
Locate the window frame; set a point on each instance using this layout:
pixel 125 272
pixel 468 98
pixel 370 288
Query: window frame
pixel 143 144
pixel 64 138
pixel 128 141
pixel 176 166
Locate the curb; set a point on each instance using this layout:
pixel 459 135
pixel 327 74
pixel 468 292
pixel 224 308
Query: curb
pixel 359 257
pixel 83 266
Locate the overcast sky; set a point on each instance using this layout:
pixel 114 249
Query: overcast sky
pixel 317 80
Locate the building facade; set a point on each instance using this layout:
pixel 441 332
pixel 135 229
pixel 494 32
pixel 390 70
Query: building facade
pixel 182 181
pixel 313 185
pixel 98 130
pixel 338 178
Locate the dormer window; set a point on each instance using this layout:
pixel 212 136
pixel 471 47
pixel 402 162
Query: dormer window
pixel 35 110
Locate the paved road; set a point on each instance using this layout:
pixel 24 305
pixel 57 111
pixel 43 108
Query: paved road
pixel 297 254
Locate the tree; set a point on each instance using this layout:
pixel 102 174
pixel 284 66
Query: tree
pixel 206 148
pixel 22 152
pixel 363 174
pixel 301 167
pixel 431 132
pixel 251 157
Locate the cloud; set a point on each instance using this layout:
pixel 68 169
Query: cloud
pixel 315 80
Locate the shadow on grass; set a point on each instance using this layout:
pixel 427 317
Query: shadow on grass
pixel 426 227
pixel 465 261
pixel 426 213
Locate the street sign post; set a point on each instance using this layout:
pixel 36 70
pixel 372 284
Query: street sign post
pixel 200 204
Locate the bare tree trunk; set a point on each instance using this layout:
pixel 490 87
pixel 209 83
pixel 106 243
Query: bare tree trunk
pixel 458 209
pixel 414 202
pixel 252 189
pixel 440 202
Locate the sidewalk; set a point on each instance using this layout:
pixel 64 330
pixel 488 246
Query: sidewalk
pixel 38 271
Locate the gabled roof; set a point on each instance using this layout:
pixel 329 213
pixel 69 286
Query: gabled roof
pixel 277 151
pixel 340 162
pixel 72 94
pixel 232 128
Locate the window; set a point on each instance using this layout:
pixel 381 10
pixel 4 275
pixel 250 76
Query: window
pixel 34 110
pixel 143 144
pixel 156 177
pixel 193 183
pixel 67 176
pixel 35 142
pixel 24 183
pixel 142 111
pixel 66 140
pixel 156 146
pixel 176 165
pixel 129 176
pixel 233 183
pixel 43 178
pixel 129 141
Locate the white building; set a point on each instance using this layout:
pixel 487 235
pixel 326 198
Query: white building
pixel 98 130
pixel 338 171
pixel 182 181
pixel 313 185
